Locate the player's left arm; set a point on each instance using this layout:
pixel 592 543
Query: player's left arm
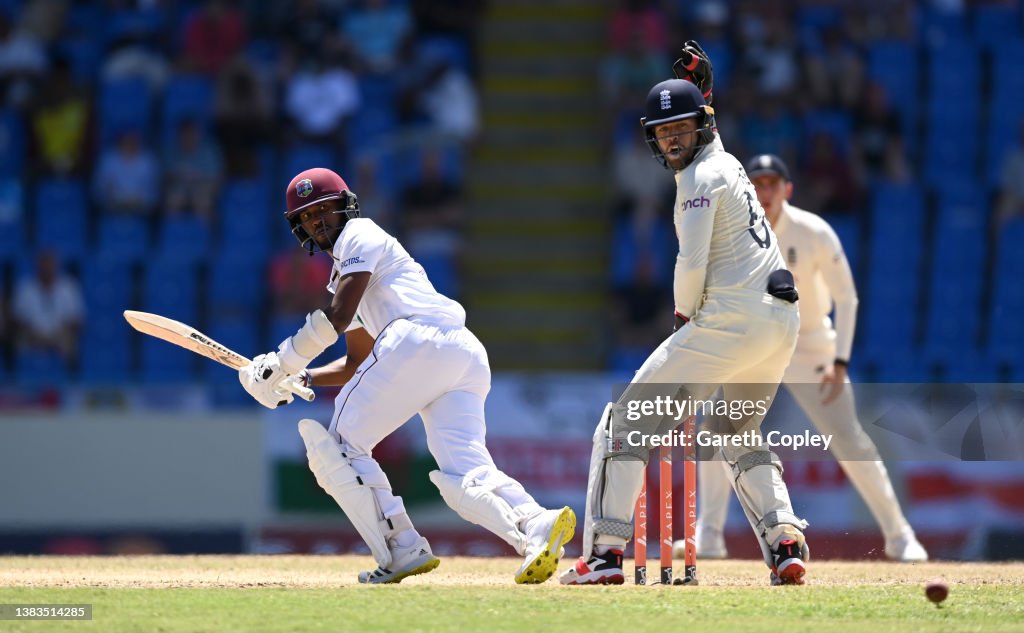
pixel 835 271
pixel 359 344
pixel 695 221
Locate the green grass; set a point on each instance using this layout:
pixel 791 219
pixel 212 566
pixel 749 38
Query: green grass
pixel 868 599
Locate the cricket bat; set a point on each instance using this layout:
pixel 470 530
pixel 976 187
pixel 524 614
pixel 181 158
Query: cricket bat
pixel 193 340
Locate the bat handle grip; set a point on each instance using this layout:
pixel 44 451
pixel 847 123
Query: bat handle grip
pixel 293 385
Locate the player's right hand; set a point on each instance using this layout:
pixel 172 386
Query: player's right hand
pixel 694 66
pixel 264 380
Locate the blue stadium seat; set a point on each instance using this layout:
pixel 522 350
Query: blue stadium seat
pixel 12 220
pixel 847 229
pixel 659 244
pixel 442 270
pixel 453 50
pixel 123 238
pixel 235 288
pixel 834 123
pixel 12 144
pixel 949 157
pixel 184 238
pixel 953 316
pixel 36 368
pixel 377 88
pixel 894 64
pixel 107 343
pixel 124 104
pixel 107 349
pixel 1006 327
pixel 306 156
pixel 186 97
pixel 245 218
pixel 995 24
pixel 938 27
pixel 369 126
pixel 62 206
pixel 84 55
pixel 171 290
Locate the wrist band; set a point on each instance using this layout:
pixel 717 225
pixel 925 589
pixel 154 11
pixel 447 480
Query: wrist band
pixel 842 361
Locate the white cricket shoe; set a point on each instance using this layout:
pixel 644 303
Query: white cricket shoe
pixel 405 562
pixel 905 548
pixel 547 533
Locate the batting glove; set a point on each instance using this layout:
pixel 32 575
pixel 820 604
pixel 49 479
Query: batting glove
pixel 263 379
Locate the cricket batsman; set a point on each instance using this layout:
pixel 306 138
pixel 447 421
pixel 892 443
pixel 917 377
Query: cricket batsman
pixel 409 352
pixel 736 327
pixel 816 377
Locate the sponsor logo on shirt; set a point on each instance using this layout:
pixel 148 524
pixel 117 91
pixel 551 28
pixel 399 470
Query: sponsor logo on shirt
pixel 696 203
pixel 352 260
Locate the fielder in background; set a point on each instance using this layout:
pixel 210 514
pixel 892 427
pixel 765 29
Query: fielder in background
pixel 409 352
pixel 816 377
pixel 736 327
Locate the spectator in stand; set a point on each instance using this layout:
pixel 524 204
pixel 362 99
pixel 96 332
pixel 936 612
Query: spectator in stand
pixel 305 24
pixel 61 122
pixel 298 283
pixel 642 17
pixel 629 73
pixel 48 311
pixel 640 318
pixel 22 62
pixel 878 137
pixel 831 184
pixel 432 215
pixel 375 202
pixel 193 172
pixel 835 75
pixel 323 94
pixel 774 58
pixel 439 104
pixel 459 19
pixel 1010 196
pixel 377 29
pixel 127 180
pixel 771 127
pixel 643 192
pixel 134 55
pixel 212 35
pixel 243 112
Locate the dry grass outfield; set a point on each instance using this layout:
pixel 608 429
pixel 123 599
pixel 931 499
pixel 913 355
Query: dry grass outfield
pixel 319 594
pixel 336 571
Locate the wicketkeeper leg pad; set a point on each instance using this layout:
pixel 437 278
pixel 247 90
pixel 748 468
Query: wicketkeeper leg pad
pixel 477 498
pixel 609 510
pixel 757 479
pixel 353 489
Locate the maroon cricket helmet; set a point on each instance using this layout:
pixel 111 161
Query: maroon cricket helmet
pixel 312 187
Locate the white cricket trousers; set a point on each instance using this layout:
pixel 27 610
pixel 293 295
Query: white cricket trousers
pixel 438 371
pixel 851 446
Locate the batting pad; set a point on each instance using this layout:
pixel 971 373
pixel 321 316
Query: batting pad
pixel 352 491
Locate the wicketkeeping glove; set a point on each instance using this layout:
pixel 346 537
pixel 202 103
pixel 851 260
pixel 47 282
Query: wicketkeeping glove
pixel 694 65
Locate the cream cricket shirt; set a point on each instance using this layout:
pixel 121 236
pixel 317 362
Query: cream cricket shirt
pixel 816 259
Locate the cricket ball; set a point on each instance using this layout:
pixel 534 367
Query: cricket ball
pixel 936 590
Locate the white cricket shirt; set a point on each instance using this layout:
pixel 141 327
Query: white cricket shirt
pixel 398 287
pixel 724 240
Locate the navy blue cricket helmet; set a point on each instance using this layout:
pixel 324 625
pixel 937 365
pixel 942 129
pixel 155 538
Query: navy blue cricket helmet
pixel 675 100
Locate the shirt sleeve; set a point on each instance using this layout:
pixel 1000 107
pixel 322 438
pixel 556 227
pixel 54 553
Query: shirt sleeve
pixel 358 250
pixel 695 221
pixel 835 270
